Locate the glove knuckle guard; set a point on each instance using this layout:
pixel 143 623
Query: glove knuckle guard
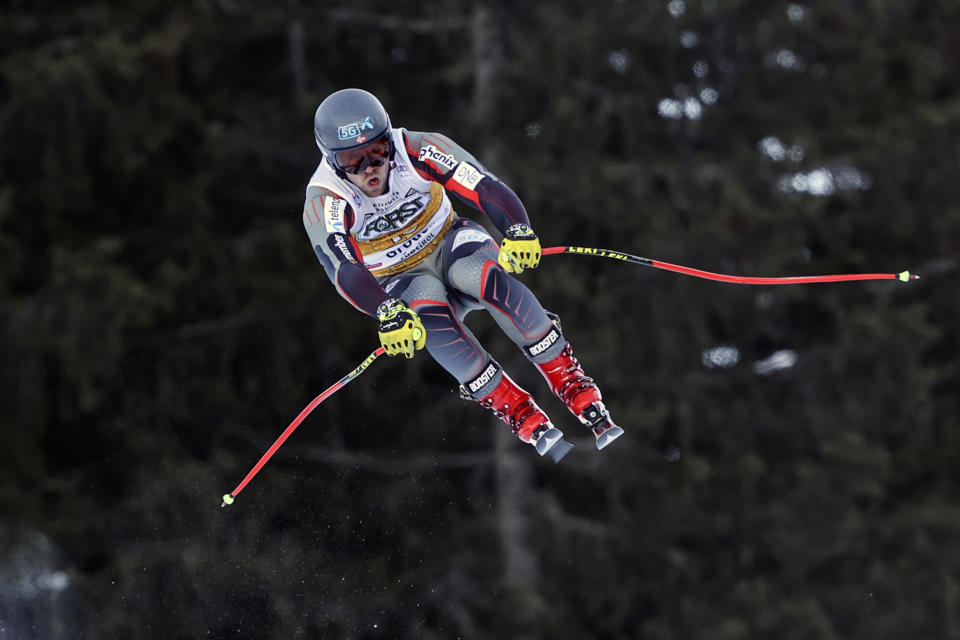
pixel 399 328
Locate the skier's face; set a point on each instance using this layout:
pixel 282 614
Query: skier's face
pixel 372 180
pixel 368 166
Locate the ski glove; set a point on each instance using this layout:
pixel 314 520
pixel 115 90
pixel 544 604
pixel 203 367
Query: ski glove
pixel 520 249
pixel 400 328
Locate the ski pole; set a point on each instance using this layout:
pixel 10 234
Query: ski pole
pixel 903 276
pixel 228 498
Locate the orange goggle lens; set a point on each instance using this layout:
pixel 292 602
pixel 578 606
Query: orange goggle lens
pixel 373 154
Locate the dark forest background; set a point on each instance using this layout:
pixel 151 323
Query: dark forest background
pixel 790 465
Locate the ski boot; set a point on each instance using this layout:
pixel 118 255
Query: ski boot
pixel 516 407
pixel 581 395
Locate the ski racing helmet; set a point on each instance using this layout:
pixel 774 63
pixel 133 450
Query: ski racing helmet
pixel 349 120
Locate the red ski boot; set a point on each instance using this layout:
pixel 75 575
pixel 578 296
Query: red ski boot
pixel 516 407
pixel 581 395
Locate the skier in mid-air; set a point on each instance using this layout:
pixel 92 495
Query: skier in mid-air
pixel 381 222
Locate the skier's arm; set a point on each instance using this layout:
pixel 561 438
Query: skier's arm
pixel 438 158
pixel 327 219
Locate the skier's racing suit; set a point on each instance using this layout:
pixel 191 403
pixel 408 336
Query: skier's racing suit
pixel 410 244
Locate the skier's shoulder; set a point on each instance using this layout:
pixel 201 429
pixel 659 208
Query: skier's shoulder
pixel 438 157
pixel 322 179
pixel 328 202
pixel 324 184
pixel 419 143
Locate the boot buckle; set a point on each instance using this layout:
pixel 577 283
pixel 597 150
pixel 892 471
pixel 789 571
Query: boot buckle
pixel 598 419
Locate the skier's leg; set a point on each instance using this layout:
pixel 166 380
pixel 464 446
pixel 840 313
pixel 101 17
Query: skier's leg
pixel 457 350
pixel 579 392
pixel 449 341
pixel 470 266
pixel 512 404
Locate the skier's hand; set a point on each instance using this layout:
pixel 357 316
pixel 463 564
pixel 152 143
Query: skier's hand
pixel 400 328
pixel 520 249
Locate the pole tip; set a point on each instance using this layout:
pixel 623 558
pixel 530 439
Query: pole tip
pixel 227 499
pixel 905 276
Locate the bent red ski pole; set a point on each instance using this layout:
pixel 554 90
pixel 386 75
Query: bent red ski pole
pixel 228 498
pixel 903 276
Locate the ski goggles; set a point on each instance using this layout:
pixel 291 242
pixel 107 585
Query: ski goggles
pixel 373 154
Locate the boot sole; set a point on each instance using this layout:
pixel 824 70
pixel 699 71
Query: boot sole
pixel 608 436
pixel 552 444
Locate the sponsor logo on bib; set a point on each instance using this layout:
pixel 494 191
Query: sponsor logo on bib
pixel 394 219
pixel 334 212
